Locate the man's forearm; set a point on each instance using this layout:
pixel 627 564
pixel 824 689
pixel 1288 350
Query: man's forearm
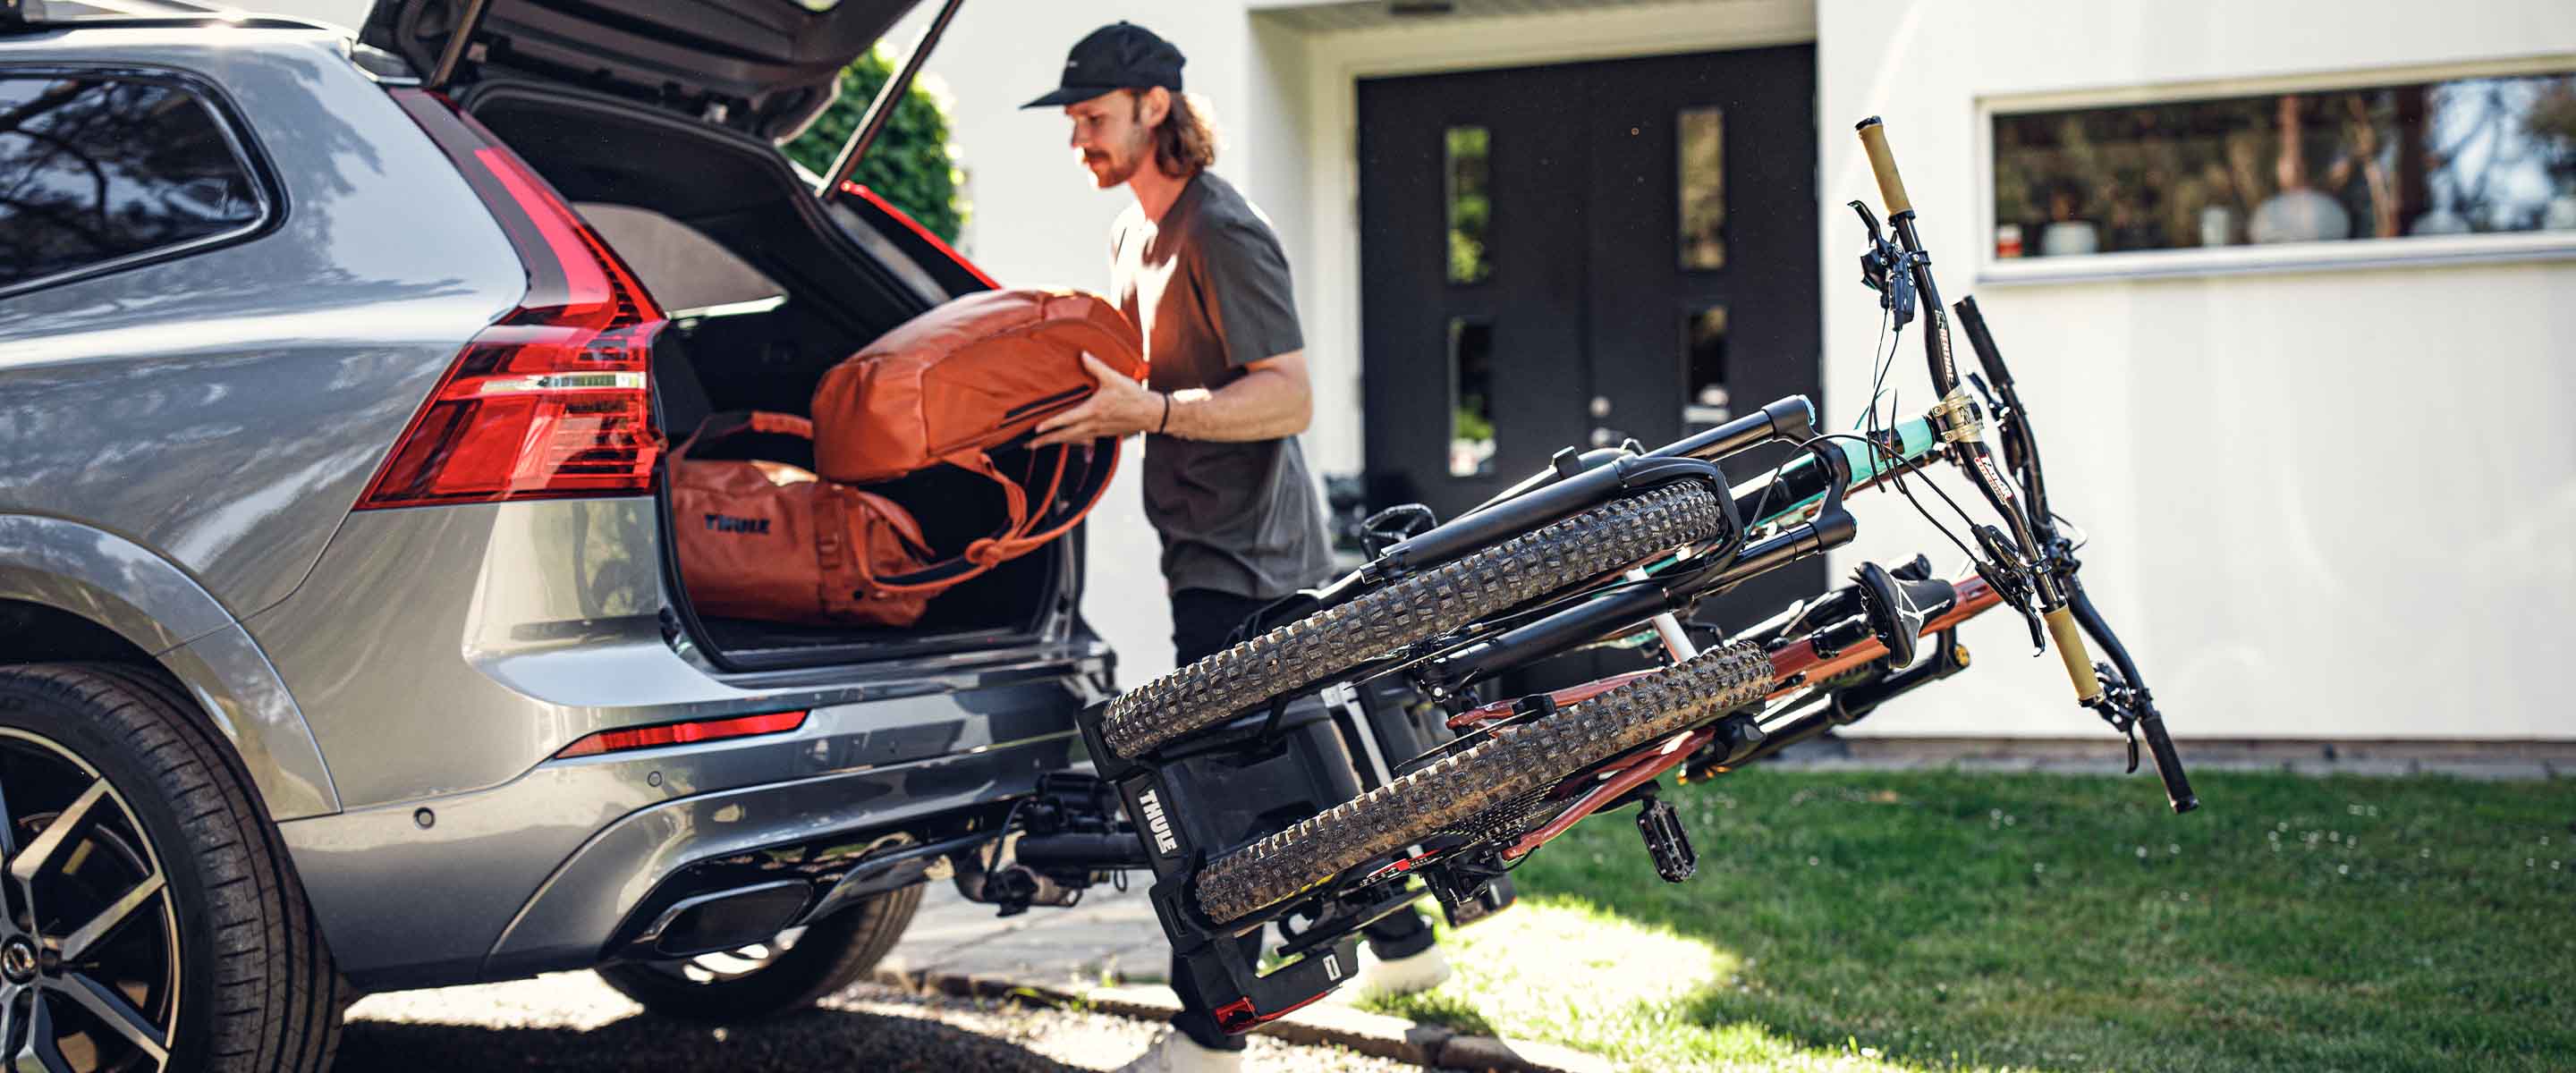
pixel 1264 404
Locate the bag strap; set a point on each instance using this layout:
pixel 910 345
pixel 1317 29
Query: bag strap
pixel 733 423
pixel 985 552
pixel 1026 535
pixel 1020 534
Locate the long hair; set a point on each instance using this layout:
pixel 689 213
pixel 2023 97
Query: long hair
pixel 1186 141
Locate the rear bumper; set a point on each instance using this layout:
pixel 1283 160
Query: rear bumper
pixel 518 880
pixel 444 655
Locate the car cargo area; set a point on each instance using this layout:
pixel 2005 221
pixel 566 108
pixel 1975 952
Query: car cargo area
pixel 766 289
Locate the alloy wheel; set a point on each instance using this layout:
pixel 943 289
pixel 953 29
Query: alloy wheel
pixel 89 939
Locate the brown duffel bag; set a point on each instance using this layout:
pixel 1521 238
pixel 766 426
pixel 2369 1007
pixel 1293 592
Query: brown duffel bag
pixel 770 541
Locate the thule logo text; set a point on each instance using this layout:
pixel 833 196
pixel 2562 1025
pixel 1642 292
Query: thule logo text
pixel 1155 822
pixel 726 523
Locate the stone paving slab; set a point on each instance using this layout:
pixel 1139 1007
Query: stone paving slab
pixel 1108 953
pixel 1110 937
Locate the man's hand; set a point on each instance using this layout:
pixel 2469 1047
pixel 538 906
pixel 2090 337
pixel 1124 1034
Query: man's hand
pixel 1122 407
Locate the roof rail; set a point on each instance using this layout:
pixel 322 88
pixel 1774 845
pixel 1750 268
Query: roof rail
pixel 18 16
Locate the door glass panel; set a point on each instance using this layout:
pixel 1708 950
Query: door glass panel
pixel 1471 397
pixel 1471 205
pixel 1701 135
pixel 1704 391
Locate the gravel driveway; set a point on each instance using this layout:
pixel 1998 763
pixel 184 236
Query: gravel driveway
pixel 571 1021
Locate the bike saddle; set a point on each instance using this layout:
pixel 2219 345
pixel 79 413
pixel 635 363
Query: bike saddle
pixel 1897 606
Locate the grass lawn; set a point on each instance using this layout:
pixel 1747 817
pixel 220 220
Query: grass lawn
pixel 1940 920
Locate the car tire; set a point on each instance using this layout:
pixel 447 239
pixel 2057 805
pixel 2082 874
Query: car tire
pixel 764 981
pixel 140 863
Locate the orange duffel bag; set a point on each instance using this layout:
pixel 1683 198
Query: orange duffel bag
pixel 765 540
pixel 954 383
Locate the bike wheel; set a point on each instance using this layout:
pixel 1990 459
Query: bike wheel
pixel 1585 546
pixel 1514 761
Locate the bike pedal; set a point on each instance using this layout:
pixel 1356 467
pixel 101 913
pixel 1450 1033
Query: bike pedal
pixel 1666 842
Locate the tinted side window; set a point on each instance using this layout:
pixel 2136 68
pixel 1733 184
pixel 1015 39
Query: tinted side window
pixel 94 168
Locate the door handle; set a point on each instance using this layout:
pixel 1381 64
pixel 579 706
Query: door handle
pixel 1604 435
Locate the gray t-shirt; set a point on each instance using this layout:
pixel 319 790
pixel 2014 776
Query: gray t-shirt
pixel 1207 285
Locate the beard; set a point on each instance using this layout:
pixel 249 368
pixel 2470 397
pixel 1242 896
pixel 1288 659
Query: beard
pixel 1112 170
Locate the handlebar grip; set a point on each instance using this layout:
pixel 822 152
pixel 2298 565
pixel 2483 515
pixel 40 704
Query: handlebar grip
pixel 2168 764
pixel 2070 647
pixel 1891 186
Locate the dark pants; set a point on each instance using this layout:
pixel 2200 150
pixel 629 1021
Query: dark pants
pixel 1202 620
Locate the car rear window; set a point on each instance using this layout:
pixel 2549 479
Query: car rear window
pixel 99 171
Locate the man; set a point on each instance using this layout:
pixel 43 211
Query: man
pixel 1200 272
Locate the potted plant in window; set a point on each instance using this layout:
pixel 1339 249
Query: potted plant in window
pixel 2298 213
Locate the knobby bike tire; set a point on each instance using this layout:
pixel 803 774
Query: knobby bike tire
pixel 1521 569
pixel 1515 760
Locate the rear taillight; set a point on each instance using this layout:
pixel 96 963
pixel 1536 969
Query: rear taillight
pixel 740 726
pixel 550 401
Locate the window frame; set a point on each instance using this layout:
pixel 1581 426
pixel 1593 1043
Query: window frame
pixel 229 122
pixel 2341 254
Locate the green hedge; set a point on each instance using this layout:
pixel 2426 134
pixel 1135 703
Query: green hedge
pixel 910 164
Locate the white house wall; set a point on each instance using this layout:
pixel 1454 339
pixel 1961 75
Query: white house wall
pixel 2329 503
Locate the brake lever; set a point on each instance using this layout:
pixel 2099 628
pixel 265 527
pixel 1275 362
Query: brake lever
pixel 2008 432
pixel 1994 409
pixel 2003 571
pixel 1877 238
pixel 2118 708
pixel 1885 268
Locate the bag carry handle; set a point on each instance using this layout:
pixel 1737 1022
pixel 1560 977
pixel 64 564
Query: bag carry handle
pixel 734 423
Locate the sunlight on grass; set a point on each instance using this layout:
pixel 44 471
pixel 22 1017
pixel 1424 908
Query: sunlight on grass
pixel 1946 920
pixel 1564 971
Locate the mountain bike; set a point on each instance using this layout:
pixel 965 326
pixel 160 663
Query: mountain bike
pixel 1251 812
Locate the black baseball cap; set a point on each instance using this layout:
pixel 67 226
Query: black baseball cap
pixel 1121 55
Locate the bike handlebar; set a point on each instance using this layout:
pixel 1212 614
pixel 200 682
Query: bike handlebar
pixel 2070 648
pixel 1891 186
pixel 2066 625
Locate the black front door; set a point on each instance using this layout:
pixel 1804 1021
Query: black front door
pixel 1582 254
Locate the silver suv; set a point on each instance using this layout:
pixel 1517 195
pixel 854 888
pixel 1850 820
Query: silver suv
pixel 343 647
